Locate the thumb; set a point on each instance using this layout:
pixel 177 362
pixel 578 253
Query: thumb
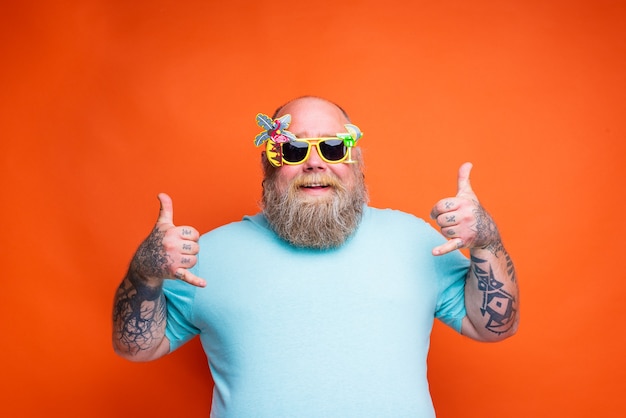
pixel 166 212
pixel 463 181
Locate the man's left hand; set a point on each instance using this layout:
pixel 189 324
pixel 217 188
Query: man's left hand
pixel 462 219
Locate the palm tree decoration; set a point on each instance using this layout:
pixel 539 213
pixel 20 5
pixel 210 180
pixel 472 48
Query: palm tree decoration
pixel 275 131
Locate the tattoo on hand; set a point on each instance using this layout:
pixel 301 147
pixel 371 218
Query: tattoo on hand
pixel 498 305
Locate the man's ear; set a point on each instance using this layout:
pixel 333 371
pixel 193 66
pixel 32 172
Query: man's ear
pixel 265 163
pixel 264 159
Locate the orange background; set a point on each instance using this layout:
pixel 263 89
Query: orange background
pixel 106 103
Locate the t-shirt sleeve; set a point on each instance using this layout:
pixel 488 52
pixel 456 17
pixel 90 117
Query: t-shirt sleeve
pixel 447 271
pixel 180 298
pixel 453 269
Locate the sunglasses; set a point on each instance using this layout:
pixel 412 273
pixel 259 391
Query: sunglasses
pixel 332 150
pixel 283 147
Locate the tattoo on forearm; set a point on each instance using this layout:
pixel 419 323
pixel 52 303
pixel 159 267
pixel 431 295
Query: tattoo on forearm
pixel 498 306
pixel 140 309
pixel 138 312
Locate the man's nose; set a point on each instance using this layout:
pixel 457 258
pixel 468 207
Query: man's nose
pixel 314 162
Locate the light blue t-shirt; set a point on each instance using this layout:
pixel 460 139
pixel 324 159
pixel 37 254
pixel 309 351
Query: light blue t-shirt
pixel 299 333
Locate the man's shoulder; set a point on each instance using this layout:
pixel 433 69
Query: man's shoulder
pixel 394 222
pixel 246 222
pixel 392 215
pixel 246 228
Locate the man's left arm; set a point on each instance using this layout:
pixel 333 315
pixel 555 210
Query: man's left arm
pixel 491 288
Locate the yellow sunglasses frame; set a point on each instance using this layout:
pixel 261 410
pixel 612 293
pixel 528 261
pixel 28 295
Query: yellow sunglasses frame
pixel 273 149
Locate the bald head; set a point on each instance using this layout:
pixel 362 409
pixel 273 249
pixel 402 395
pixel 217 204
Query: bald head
pixel 278 112
pixel 314 117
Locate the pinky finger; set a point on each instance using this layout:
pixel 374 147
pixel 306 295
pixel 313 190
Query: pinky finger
pixel 189 277
pixel 448 247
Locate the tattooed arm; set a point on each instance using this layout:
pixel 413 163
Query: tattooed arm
pixel 491 288
pixel 491 295
pixel 140 308
pixel 139 316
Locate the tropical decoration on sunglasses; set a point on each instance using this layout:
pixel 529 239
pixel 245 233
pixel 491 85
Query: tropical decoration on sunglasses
pixel 275 130
pixel 350 139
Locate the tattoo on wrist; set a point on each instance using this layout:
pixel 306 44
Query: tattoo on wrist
pixel 498 306
pixel 150 259
pixel 486 229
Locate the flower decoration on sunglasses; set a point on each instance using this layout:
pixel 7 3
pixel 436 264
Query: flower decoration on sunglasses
pixel 284 148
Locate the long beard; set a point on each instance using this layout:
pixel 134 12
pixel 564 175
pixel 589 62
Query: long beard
pixel 314 222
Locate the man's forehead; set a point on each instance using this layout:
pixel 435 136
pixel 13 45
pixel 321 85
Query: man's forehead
pixel 314 117
pixel 312 107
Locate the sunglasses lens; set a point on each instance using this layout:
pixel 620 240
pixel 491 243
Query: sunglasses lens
pixel 295 152
pixel 332 149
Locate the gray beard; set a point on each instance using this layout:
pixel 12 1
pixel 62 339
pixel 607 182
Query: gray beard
pixel 314 222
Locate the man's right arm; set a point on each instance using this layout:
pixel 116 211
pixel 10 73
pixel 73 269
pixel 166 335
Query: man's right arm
pixel 139 318
pixel 140 308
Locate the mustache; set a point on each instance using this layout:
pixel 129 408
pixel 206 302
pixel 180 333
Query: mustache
pixel 326 179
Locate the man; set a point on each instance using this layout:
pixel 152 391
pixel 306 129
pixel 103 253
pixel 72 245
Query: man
pixel 320 306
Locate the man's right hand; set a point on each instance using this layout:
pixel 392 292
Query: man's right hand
pixel 169 251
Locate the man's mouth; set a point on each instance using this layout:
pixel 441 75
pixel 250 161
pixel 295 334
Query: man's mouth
pixel 315 186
